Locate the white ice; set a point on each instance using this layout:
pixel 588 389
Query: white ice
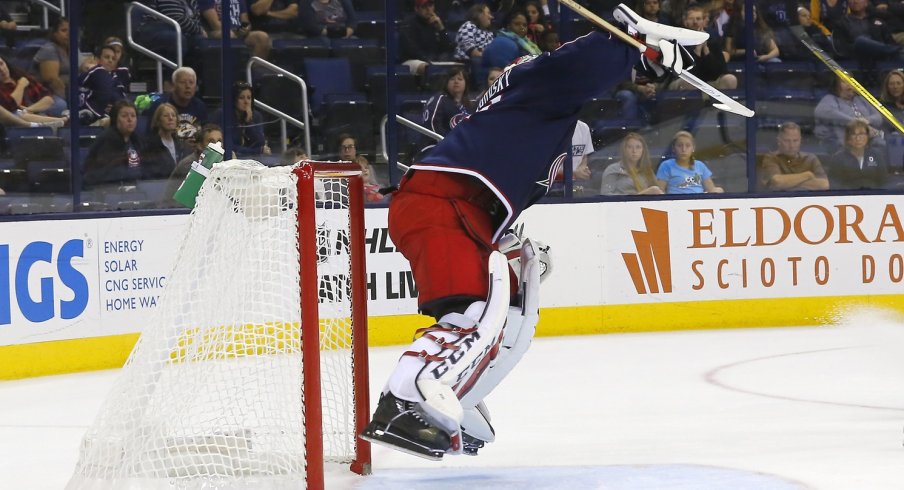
pixel 765 409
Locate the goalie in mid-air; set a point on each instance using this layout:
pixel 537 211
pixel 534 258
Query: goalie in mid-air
pixel 449 218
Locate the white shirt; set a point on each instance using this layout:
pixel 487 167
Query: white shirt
pixel 581 144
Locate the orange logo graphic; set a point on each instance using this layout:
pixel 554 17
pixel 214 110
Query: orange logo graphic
pixel 651 265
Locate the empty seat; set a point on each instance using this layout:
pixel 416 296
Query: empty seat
pixel 49 176
pixel 26 149
pixel 371 29
pixel 326 77
pixel 360 56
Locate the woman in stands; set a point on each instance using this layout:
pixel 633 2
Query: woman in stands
pixel 683 174
pixel 22 95
pixel 52 62
pixel 892 95
pixel 537 23
pixel 510 43
pixel 117 154
pixel 248 134
pixel 633 173
pixel 451 105
pixel 765 50
pixel 858 165
pixel 163 147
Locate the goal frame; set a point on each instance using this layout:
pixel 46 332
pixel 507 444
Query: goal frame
pixel 307 173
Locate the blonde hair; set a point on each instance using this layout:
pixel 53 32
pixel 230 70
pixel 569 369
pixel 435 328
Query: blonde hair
pixel 158 114
pixel 644 169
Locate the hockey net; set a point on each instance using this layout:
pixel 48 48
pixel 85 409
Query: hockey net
pixel 252 371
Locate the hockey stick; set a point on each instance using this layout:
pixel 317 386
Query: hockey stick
pixel 807 41
pixel 724 103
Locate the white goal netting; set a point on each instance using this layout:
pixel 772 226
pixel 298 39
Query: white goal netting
pixel 212 395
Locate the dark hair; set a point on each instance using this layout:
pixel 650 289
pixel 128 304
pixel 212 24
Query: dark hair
pixel 118 106
pixel 14 71
pixel 345 136
pixel 55 25
pixel 205 130
pixel 237 88
pixel 512 14
pixel 444 85
pixel 475 11
pixel 540 18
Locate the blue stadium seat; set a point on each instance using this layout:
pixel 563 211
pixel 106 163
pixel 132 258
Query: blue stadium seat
pixel 326 77
pixel 48 176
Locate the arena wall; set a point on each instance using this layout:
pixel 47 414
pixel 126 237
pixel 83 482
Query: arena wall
pixel 73 293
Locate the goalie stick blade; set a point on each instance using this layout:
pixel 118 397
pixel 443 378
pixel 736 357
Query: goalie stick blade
pixel 393 441
pixel 725 103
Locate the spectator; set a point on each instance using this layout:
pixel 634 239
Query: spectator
pixel 423 38
pixel 475 34
pixel 348 151
pixel 633 172
pixel 248 135
pixel 452 105
pixel 192 111
pixel 510 43
pixel 892 96
pixel 674 10
pixel 52 61
pixel 651 10
pixel 160 37
pixel 892 12
pixel 581 148
pixel 293 155
pixel 722 15
pixel 819 34
pixel 788 168
pixel 862 35
pixel 7 27
pixel 278 18
pixel 549 41
pixel 209 133
pixel 857 165
pixel 493 74
pixel 683 174
pixel 329 18
pixel 836 109
pixel 766 48
pixel 710 58
pixel 537 23
pixel 116 155
pixel 828 13
pixel 638 98
pixel 163 146
pixel 258 42
pixel 23 95
pixel 99 88
pixel 121 71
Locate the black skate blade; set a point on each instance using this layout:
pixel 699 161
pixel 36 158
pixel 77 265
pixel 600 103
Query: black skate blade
pixel 393 441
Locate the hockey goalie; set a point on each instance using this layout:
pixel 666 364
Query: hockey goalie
pixel 449 219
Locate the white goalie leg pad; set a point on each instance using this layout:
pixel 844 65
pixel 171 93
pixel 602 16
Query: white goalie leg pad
pixel 520 327
pixel 476 423
pixel 465 352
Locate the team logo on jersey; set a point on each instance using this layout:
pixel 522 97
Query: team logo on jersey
pixel 457 119
pixel 554 170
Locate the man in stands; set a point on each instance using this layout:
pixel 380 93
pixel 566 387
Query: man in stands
pixel 449 219
pixel 423 38
pixel 192 110
pixel 788 168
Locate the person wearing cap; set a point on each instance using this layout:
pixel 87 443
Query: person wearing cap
pixel 423 38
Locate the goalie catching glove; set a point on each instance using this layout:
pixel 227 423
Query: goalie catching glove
pixel 665 54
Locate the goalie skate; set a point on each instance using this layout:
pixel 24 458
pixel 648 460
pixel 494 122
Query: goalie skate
pixel 399 425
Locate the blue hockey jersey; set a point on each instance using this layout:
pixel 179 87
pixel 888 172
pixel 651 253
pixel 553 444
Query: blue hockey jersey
pixel 518 138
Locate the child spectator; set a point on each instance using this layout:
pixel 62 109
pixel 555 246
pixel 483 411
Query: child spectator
pixel 683 174
pixel 451 105
pixel 510 43
pixel 537 23
pixel 348 152
pixel 633 172
pixel 99 88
